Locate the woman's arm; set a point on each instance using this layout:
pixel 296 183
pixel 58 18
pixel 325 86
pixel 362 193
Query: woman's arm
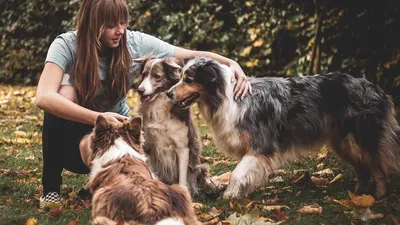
pixel 242 86
pixel 48 98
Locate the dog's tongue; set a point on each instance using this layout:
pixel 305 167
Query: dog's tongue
pixel 145 98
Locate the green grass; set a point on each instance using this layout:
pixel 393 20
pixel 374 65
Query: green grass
pixel 20 190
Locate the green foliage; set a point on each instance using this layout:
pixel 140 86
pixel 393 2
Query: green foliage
pixel 267 37
pixel 27 28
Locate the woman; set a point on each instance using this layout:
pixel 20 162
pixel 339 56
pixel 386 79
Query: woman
pixel 88 72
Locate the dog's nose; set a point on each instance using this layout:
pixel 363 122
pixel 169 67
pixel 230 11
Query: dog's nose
pixel 170 94
pixel 140 91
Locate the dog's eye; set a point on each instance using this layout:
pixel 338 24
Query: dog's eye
pixel 157 76
pixel 188 80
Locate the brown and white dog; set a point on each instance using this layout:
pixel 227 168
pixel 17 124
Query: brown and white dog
pixel 124 191
pixel 172 143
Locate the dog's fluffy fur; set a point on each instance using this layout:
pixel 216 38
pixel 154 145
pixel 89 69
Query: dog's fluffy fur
pixel 124 191
pixel 172 143
pixel 287 116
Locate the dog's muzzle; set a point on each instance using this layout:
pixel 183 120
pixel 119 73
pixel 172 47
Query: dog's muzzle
pixel 170 94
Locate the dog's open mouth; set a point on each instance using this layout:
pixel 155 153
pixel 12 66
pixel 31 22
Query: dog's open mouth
pixel 188 101
pixel 147 98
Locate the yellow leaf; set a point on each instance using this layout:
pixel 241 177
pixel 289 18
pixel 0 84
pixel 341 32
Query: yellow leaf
pixel 252 63
pixel 364 201
pixel 310 209
pixel 246 51
pixel 258 43
pixel 31 221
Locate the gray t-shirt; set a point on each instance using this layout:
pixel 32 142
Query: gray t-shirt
pixel 63 53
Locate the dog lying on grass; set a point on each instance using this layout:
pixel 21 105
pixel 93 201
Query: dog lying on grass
pixel 124 191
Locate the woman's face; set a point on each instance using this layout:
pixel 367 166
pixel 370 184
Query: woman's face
pixel 112 35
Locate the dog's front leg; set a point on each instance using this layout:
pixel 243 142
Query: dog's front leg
pixel 183 166
pixel 251 172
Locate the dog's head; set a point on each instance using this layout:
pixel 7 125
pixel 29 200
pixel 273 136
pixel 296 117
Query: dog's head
pixel 202 78
pixel 104 135
pixel 158 75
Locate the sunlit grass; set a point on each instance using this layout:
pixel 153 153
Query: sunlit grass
pixel 20 152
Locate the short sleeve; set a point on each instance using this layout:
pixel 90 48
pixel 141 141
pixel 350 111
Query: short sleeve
pixel 145 44
pixel 61 54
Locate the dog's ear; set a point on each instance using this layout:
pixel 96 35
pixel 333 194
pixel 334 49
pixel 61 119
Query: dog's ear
pixel 136 127
pixel 142 60
pixel 208 73
pixel 172 67
pixel 101 124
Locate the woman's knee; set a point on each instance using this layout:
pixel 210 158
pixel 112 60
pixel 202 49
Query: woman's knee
pixel 68 92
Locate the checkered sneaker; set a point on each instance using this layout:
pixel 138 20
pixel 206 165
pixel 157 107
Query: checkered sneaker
pixel 50 200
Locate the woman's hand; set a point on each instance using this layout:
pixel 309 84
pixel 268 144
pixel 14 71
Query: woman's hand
pixel 242 86
pixel 114 117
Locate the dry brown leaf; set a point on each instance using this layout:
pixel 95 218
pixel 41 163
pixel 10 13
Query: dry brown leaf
pixel 216 212
pixel 310 209
pixel 278 179
pixel 9 201
pixel 19 133
pixel 274 207
pixel 56 212
pixel 222 162
pixel 320 181
pixel 74 222
pixel 272 201
pixel 324 172
pixel 338 177
pixel 364 201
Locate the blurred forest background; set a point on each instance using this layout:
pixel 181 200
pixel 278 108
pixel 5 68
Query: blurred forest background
pixel 267 37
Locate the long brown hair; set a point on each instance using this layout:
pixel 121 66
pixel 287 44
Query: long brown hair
pixel 93 18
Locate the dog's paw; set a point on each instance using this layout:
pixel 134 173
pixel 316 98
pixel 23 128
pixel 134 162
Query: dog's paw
pixel 216 184
pixel 232 192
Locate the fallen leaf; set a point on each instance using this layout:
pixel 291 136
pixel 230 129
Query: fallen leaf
pixel 324 172
pixel 362 201
pixel 274 207
pixel 273 201
pixel 310 209
pixel 31 221
pixel 277 179
pixel 56 212
pixel 320 181
pixel 253 218
pixel 338 177
pixel 9 201
pixel 216 212
pixel 20 133
pixel 396 221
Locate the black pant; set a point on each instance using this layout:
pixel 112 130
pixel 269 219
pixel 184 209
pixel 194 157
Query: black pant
pixel 60 141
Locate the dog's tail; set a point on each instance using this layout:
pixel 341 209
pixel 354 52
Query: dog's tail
pixel 390 147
